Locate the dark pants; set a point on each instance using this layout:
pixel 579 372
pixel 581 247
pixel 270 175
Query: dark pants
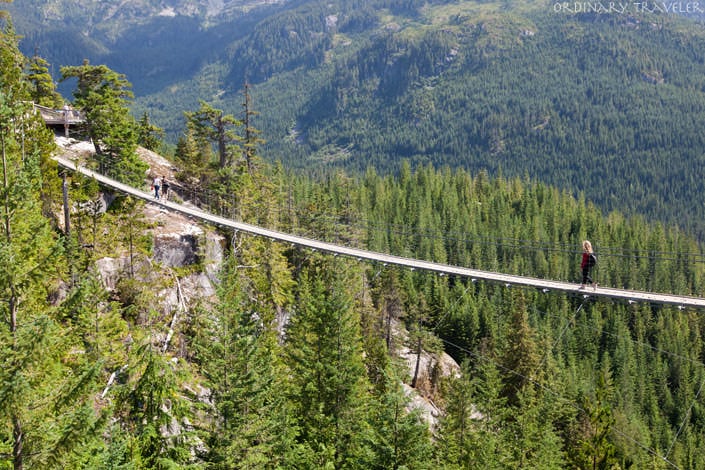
pixel 586 275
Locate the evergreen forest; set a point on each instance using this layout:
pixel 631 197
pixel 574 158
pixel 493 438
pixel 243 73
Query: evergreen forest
pixel 606 105
pixel 602 103
pixel 294 363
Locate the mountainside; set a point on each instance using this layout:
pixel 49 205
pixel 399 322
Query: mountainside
pixel 607 103
pixel 131 337
pixel 155 44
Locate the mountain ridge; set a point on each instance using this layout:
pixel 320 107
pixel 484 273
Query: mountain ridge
pixel 605 105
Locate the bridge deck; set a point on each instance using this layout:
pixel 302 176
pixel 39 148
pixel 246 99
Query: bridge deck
pixel 442 269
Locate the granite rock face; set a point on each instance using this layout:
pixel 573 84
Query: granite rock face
pixel 176 250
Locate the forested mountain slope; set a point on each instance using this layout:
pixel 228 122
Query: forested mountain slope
pixel 606 102
pixel 607 105
pixel 292 361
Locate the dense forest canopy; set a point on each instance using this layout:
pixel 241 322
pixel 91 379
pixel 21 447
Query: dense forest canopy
pixel 607 103
pixel 294 362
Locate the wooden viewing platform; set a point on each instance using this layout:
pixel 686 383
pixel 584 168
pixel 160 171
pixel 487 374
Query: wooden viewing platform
pixel 66 117
pixel 544 285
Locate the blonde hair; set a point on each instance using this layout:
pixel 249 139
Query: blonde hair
pixel 587 246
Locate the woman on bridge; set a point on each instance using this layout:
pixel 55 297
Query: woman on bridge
pixel 587 264
pixel 155 185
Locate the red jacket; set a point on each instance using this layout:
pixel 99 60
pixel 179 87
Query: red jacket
pixel 584 262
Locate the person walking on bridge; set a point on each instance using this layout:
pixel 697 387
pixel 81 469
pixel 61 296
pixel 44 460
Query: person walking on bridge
pixel 165 188
pixel 588 262
pixel 156 184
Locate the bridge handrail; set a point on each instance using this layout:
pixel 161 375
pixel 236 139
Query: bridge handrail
pixel 442 269
pixel 60 116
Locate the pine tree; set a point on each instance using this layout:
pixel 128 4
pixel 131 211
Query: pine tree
pixel 214 126
pixel 238 353
pixel 43 88
pixel 104 96
pixel 470 431
pixel 530 436
pixel 596 448
pixel 194 156
pixel 46 409
pixel 250 141
pixel 402 437
pixel 328 375
pixel 521 358
pixel 149 136
pixel 152 410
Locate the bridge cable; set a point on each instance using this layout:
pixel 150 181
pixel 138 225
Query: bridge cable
pixel 451 306
pixel 118 187
pixel 516 243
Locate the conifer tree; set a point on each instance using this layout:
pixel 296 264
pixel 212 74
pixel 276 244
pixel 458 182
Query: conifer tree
pixel 596 447
pixel 251 139
pixel 149 136
pixel 194 156
pixel 46 409
pixel 214 126
pixel 238 353
pixel 325 357
pixel 104 95
pixel 43 88
pixel 530 435
pixel 470 431
pixel 152 410
pixel 457 426
pixel 402 437
pixel 521 358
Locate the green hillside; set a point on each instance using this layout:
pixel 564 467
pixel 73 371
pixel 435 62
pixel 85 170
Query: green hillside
pixel 251 353
pixel 607 103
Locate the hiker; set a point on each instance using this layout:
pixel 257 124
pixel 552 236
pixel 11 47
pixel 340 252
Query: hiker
pixel 165 188
pixel 156 184
pixel 587 264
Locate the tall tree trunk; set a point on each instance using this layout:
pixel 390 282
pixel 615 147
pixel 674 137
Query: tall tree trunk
pixel 17 436
pixel 17 433
pixel 222 147
pixel 67 214
pixel 418 363
pixel 5 186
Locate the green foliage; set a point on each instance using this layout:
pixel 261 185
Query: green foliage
pixel 240 358
pixel 402 438
pixel 602 104
pixel 149 136
pixel 596 104
pixel 548 380
pixel 46 406
pixel 103 95
pixel 193 156
pixel 150 407
pixel 449 96
pixel 469 432
pixel 328 376
pixel 43 89
pixel 213 127
pixel 531 354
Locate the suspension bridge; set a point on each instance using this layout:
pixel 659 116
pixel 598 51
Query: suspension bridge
pixel 508 280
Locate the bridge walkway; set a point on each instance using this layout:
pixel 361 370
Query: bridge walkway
pixel 441 269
